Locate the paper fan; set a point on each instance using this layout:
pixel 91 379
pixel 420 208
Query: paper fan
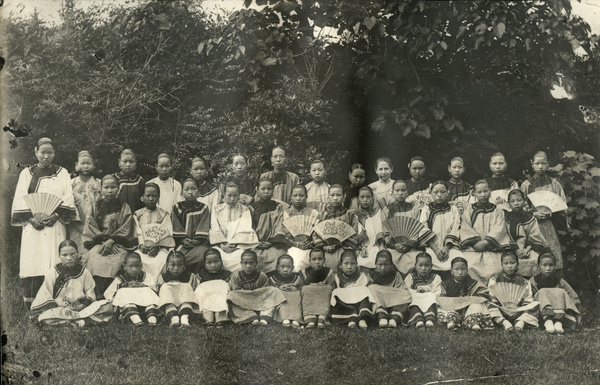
pixel 42 205
pixel 403 229
pixel 154 233
pixel 420 199
pixel 301 226
pixel 334 231
pixel 547 202
pixel 500 199
pixel 509 294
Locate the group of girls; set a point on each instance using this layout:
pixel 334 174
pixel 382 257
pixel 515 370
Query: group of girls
pixel 160 236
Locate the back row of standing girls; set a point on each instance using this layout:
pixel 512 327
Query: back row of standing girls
pixel 107 217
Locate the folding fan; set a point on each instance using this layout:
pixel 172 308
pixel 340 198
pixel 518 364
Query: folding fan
pixel 301 226
pixel 42 205
pixel 509 294
pixel 420 199
pixel 547 202
pixel 334 231
pixel 403 229
pixel 154 234
pixel 500 199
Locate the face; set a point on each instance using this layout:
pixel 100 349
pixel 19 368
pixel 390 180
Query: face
pixel 482 192
pixel 285 267
pixel 45 155
pixel 349 265
pixel 317 172
pixel 365 199
pixel 459 271
pixel 384 171
pixel 317 260
pixel 540 165
pixel 85 165
pixel 68 256
pixel 498 165
pixel 278 159
pixel 189 191
pixel 400 192
pixel 357 177
pixel 383 266
pixel 510 265
pixel 110 189
pixel 456 169
pixel 516 202
pixel 232 196
pixel 176 266
pixel 199 171
pixel 127 163
pixel 547 267
pixel 265 191
pixel 298 198
pixel 240 166
pixel 150 197
pixel 336 196
pixel 439 192
pixel 164 168
pixel 423 267
pixel 132 267
pixel 213 263
pixel 417 169
pixel 249 264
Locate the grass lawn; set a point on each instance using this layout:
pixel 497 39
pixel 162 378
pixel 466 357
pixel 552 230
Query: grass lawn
pixel 119 353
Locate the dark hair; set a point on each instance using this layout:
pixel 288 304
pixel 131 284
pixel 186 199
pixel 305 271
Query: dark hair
pixel 414 158
pixel 336 186
pixel 43 141
pixel 516 191
pixel 67 242
pixel 190 180
pixel 152 185
pixel 213 251
pixel 175 254
pixel 443 183
pixel 232 184
pixel 508 253
pixel 423 255
pixel 285 256
pixel 384 254
pixel 278 147
pixel 346 253
pixel 458 158
pixel 315 250
pixel 164 155
pixel 251 253
pixel 480 181
pixel 129 255
pixel 127 151
pixel 356 166
pixel 109 176
pixel 264 179
pixel 369 189
pixel 497 154
pixel 303 187
pixel 398 181
pixel 318 161
pixel 546 255
pixel 239 154
pixel 457 260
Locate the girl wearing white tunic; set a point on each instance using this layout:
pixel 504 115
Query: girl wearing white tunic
pixel 41 237
pixel 370 218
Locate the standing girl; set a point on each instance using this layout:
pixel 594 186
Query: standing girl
pixel 132 292
pixel 370 218
pixel 317 189
pixel 176 291
pixel 290 283
pixel 131 185
pixel 458 189
pixel 416 183
pixel 301 246
pixel 239 165
pixel 170 189
pixel 213 288
pixel 357 180
pixel 498 179
pixel 108 234
pixel 283 181
pixel 207 192
pixel 191 225
pixel 231 228
pixel 86 192
pixel 154 231
pixel 318 282
pixel 383 187
pixel 424 287
pixel 540 181
pixel 388 287
pixel 41 237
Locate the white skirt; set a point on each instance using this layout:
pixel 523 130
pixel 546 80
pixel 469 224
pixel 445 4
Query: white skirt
pixel 39 249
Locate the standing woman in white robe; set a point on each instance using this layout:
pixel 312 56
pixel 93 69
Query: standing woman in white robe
pixel 40 238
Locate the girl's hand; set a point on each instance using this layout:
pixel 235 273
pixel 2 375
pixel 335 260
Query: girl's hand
pixel 153 252
pixel 264 245
pixel 419 290
pixel 144 249
pixel 107 247
pixel 481 245
pixel 77 306
pixel 188 243
pixel 228 248
pixel 539 215
pixel 36 224
pixel 304 245
pixel 329 249
pixel 401 248
pixel 51 220
pixel 442 254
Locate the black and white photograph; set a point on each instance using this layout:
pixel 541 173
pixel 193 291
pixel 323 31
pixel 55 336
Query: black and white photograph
pixel 300 191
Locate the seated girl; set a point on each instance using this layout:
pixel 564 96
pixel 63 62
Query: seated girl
pixel 301 244
pixel 132 292
pixel 559 303
pixel 369 216
pixel 207 192
pixel 250 298
pixel 154 231
pixel 290 283
pixel 512 304
pixel 404 254
pixel 424 287
pixel 318 283
pixel 335 210
pixel 267 216
pixel 176 291
pixel 191 225
pixel 463 300
pixel 231 228
pixel 67 294
pixel 351 300
pixel 482 235
pixel 390 291
pixel 213 288
pixel 523 230
pixel 356 176
pixel 108 234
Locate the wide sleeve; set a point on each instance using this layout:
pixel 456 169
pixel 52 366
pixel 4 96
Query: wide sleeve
pixel 244 233
pixel 497 236
pixel 528 297
pixel 112 289
pixel 534 236
pixel 89 287
pixel 202 228
pixel 216 234
pixel 124 232
pixel 234 282
pixel 409 281
pixel 442 290
pixel 20 212
pixel 436 285
pixel 194 281
pixel 67 210
pixel 262 280
pixel 277 233
pixel 44 298
pixel 166 222
pixel 565 285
